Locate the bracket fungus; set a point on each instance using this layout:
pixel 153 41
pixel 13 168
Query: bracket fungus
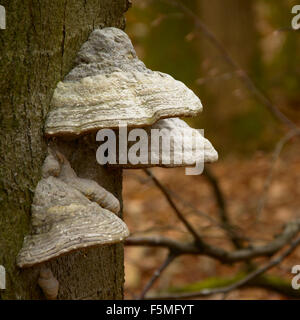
pixel 167 143
pixel 107 88
pixel 110 84
pixel 65 219
pixel 188 145
pixel 110 87
pixel 91 189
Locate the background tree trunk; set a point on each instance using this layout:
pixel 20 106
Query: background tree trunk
pixel 37 49
pixel 229 106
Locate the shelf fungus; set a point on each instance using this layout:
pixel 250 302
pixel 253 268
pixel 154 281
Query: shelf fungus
pixel 69 213
pixel 109 85
pixel 187 145
pixel 167 143
pixel 110 88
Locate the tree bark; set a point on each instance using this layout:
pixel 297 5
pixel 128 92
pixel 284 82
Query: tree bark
pixel 37 49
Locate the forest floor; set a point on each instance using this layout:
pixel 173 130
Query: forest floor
pixel 242 181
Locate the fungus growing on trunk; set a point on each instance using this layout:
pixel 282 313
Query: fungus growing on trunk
pixel 65 219
pixel 110 84
pixel 108 87
pixel 168 143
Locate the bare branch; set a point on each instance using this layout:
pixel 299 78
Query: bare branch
pixel 238 284
pixel 291 229
pixel 199 25
pixel 224 215
pixel 157 274
pixel 193 208
pixel 162 242
pixel 199 241
pixel 282 142
pixel 180 199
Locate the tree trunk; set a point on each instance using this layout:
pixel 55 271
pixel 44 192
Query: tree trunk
pixel 38 48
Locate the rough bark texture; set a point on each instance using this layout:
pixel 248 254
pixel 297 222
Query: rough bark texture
pixel 36 51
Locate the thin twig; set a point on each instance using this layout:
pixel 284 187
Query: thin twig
pixel 291 229
pixel 180 216
pixel 279 146
pixel 218 195
pixel 171 256
pixel 207 292
pixel 193 208
pixel 230 61
pixel 180 199
pixel 223 213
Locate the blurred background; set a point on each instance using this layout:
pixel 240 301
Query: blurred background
pixel 258 38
